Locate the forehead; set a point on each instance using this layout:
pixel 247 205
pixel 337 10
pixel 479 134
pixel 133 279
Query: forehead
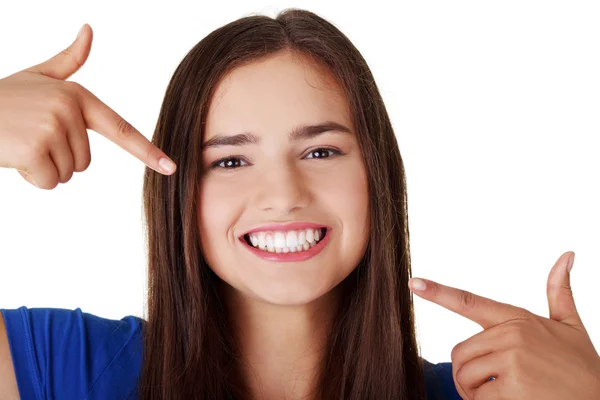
pixel 275 94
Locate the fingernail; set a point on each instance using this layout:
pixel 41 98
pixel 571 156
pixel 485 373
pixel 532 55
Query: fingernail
pixel 30 179
pixel 166 165
pixel 80 30
pixel 570 262
pixel 417 284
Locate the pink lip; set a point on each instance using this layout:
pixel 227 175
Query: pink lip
pixel 286 227
pixel 284 257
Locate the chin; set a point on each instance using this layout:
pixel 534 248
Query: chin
pixel 292 295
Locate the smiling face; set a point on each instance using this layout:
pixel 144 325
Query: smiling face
pixel 297 160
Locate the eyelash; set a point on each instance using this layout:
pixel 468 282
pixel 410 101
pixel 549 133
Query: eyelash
pixel 215 165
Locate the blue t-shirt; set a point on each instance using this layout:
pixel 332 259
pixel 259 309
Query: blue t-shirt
pixel 69 354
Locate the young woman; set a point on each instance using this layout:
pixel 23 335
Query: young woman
pixel 279 254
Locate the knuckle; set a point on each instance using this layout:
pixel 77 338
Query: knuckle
pixel 124 128
pixel 514 357
pixel 518 336
pixel 152 153
pixel 51 127
pixel 76 89
pixel 66 105
pixel 73 86
pixel 566 290
pixel 63 100
pixel 525 315
pixel 559 289
pixel 467 300
pixel 456 350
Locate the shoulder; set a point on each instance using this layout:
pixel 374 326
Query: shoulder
pixel 439 382
pixel 51 346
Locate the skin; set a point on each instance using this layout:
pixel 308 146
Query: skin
pixel 43 135
pixel 530 356
pixel 282 311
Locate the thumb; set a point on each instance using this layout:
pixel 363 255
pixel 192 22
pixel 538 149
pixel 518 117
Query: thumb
pixel 68 61
pixel 559 292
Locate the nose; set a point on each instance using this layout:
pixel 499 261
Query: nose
pixel 282 190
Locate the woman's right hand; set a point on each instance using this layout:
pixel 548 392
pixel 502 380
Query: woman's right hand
pixel 44 121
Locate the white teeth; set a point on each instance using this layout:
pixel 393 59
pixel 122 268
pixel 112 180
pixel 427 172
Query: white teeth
pixel 284 242
pixel 310 236
pixel 279 240
pixel 262 243
pixel 291 239
pixel 301 237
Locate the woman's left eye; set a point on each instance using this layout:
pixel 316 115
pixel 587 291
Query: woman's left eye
pixel 322 151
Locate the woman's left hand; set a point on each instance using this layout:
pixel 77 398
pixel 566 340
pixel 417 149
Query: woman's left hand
pixel 530 357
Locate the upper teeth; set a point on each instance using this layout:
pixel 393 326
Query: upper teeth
pixel 295 240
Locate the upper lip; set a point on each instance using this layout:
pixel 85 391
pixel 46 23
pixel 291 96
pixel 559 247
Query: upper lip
pixel 286 227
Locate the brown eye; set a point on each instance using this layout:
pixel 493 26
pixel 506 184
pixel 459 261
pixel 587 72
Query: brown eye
pixel 227 163
pixel 324 152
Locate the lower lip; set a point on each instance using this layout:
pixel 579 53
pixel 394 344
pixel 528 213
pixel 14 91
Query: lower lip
pixel 283 257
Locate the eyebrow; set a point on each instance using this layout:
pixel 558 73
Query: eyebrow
pixel 298 133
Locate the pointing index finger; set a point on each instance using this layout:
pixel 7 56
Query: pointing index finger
pixel 102 119
pixel 481 310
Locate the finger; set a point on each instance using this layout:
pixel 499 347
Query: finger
pixel 496 339
pixel 62 156
pixel 44 172
pixel 68 61
pixel 480 344
pixel 79 142
pixel 560 295
pixel 102 119
pixel 491 390
pixel 28 178
pixel 478 372
pixel 481 310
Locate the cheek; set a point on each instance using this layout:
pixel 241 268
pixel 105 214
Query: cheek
pixel 357 208
pixel 346 192
pixel 217 210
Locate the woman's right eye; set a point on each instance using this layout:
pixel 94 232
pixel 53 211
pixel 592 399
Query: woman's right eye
pixel 227 163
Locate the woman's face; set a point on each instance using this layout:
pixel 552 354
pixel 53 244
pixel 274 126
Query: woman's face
pixel 269 177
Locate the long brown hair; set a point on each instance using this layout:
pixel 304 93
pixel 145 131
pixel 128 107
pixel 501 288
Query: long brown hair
pixel 188 350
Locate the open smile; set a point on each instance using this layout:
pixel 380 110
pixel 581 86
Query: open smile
pixel 292 245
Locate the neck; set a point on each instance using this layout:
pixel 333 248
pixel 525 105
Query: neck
pixel 281 346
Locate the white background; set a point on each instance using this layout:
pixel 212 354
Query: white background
pixel 496 110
